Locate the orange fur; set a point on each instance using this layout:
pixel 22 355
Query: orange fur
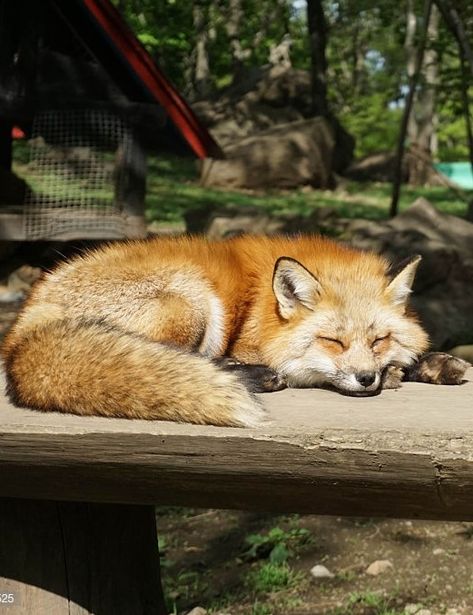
pixel 131 300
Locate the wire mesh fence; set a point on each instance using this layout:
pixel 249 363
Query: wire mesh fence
pixel 75 174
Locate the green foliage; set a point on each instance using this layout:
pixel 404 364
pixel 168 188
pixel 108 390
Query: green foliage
pixel 164 27
pixel 374 125
pixel 181 587
pixel 168 31
pixel 376 603
pixel 366 74
pixel 367 598
pixel 452 133
pixel 277 545
pixel 260 608
pixel 365 51
pixel 270 577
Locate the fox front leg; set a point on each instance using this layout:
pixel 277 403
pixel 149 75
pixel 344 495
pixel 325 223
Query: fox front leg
pixel 392 377
pixel 431 368
pixel 256 378
pixel 437 368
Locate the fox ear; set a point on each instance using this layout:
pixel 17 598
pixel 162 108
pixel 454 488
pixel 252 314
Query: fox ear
pixel 293 286
pixel 402 277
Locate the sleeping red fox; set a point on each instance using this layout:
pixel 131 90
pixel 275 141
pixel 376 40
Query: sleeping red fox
pixel 146 329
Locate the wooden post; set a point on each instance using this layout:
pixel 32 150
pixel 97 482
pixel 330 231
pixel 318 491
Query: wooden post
pixel 76 558
pixel 5 145
pixel 130 186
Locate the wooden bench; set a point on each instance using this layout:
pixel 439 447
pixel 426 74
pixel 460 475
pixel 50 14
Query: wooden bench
pixel 77 524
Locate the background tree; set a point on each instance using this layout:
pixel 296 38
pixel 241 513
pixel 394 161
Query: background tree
pixel 360 71
pixel 202 76
pixel 422 123
pixel 317 30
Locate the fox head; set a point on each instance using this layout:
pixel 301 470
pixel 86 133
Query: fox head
pixel 342 327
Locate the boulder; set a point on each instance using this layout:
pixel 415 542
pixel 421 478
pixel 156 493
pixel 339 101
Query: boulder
pixel 375 167
pixel 246 114
pixel 294 154
pixel 268 96
pixel 224 222
pixel 380 167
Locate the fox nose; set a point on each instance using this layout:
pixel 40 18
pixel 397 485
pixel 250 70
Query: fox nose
pixel 366 378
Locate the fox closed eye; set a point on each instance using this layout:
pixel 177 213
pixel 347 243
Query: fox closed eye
pixel 331 340
pixel 379 340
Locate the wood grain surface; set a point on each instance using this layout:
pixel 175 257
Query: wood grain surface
pixel 405 453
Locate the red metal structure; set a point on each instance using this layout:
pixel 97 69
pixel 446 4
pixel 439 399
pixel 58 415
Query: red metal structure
pixel 82 89
pixel 115 45
pixel 48 48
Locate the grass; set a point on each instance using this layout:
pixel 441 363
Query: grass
pixel 181 587
pixel 173 190
pixel 260 576
pixel 374 603
pixel 269 577
pixel 55 180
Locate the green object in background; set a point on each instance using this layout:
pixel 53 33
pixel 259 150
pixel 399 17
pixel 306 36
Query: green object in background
pixel 458 172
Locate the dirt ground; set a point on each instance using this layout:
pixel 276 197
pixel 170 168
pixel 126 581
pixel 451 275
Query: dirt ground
pixel 236 563
pixel 206 563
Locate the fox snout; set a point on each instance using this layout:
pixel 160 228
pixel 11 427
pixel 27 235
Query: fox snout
pixel 366 379
pixel 359 383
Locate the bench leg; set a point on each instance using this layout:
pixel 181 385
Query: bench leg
pixel 73 558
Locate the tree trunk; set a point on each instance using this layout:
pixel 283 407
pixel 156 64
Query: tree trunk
pixel 455 25
pixel 234 17
pixel 411 54
pixel 317 27
pixel 358 58
pixel 466 103
pixel 422 122
pixel 413 79
pixel 202 78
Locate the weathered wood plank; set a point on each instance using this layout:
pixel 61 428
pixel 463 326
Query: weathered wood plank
pixel 64 558
pixel 89 225
pixel 406 453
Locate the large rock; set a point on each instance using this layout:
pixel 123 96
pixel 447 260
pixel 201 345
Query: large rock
pixel 381 166
pixel 271 99
pixel 375 167
pixel 218 222
pixel 443 290
pixel 299 153
pixel 268 96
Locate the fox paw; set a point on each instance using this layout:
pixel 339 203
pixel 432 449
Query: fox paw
pixel 438 368
pixel 392 377
pixel 256 378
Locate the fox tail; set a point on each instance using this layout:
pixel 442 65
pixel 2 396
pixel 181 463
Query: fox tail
pixel 93 368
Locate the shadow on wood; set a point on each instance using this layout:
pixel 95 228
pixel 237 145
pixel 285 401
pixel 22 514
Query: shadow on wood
pixel 71 558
